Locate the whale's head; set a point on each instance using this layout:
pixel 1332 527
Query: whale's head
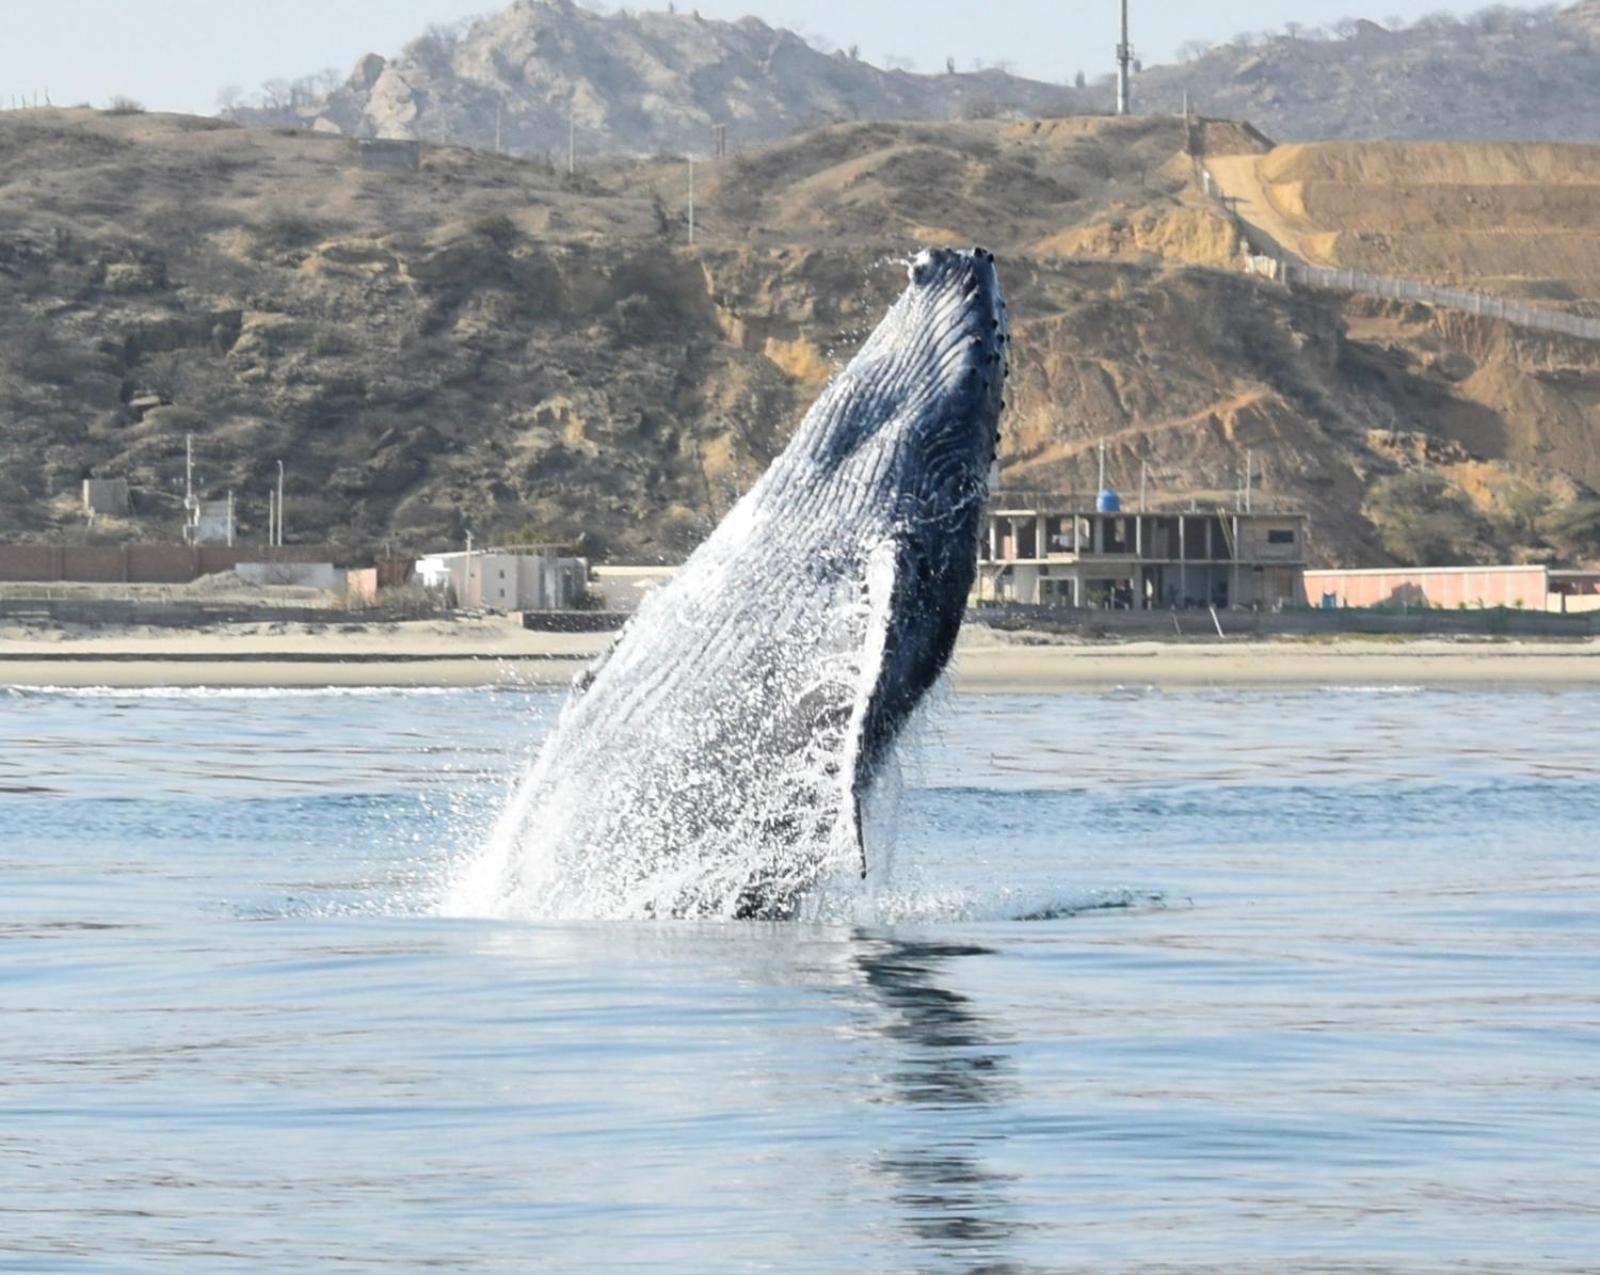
pixel 913 421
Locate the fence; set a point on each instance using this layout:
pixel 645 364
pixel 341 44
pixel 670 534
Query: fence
pixel 139 563
pixel 1264 256
pixel 1198 624
pixel 1528 316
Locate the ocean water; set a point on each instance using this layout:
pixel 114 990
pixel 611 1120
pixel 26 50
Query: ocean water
pixel 1210 981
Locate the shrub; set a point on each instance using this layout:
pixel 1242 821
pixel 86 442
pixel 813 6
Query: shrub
pixel 285 229
pixel 1576 528
pixel 498 229
pixel 1422 520
pixel 120 105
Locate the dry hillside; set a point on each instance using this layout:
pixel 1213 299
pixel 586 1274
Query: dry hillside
pixel 1520 220
pixel 485 344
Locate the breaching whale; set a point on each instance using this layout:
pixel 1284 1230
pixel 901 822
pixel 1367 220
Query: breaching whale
pixel 713 762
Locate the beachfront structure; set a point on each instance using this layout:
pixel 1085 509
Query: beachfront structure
pixel 622 588
pixel 1530 587
pixel 507 579
pixel 1097 555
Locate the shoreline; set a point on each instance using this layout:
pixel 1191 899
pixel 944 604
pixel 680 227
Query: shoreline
pixel 492 653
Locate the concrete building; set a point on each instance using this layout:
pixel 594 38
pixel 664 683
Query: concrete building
pixel 1114 558
pixel 389 154
pixel 299 575
pixel 507 579
pixel 1526 587
pixel 210 522
pixel 1574 591
pixel 106 496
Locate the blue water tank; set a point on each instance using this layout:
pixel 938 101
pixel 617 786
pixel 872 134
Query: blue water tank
pixel 1108 502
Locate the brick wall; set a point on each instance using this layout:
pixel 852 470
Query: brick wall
pixel 139 563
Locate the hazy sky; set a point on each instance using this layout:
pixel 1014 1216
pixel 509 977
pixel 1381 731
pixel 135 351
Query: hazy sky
pixel 176 54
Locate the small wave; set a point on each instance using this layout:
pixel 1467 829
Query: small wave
pixel 1398 689
pixel 241 692
pixel 959 905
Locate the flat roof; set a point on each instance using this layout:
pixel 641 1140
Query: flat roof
pixel 1056 511
pixel 1521 567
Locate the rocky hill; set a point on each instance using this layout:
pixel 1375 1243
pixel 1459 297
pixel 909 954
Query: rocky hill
pixel 1502 74
pixel 543 74
pixel 485 344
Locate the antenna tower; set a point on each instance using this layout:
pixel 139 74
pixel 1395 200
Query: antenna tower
pixel 1124 68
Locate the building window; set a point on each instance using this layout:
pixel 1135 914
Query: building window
pixel 1280 537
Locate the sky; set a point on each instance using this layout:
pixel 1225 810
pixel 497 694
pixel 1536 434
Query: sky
pixel 176 54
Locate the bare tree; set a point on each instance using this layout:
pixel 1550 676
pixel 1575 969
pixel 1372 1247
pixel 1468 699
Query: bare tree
pixel 276 95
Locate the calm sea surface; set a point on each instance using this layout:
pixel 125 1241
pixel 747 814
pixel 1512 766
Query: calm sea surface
pixel 1312 983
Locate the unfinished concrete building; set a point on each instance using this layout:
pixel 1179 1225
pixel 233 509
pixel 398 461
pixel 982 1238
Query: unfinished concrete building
pixel 1110 558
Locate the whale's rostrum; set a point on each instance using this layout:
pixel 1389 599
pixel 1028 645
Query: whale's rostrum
pixel 714 761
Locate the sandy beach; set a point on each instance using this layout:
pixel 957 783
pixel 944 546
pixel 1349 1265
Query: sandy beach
pixel 492 652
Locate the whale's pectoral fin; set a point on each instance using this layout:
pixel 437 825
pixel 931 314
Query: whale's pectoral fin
pixel 864 745
pixel 861 841
pixel 912 629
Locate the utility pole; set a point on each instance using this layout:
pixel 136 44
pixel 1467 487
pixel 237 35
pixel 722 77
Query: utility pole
pixel 1102 486
pixel 280 504
pixel 189 519
pixel 1249 476
pixel 272 518
pixel 1124 67
pixel 691 201
pixel 230 517
pixel 1144 473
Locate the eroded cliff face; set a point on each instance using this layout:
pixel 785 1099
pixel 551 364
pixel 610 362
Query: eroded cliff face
pixel 485 345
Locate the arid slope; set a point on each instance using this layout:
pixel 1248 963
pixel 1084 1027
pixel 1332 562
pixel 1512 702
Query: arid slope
pixel 487 345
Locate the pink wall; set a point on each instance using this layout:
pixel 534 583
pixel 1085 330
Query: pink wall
pixel 1447 587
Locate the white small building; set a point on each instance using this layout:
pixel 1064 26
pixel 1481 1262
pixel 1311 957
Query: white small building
pixel 210 522
pixel 507 579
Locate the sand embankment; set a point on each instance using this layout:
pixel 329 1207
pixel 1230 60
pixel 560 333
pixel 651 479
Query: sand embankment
pixel 1518 220
pixel 495 654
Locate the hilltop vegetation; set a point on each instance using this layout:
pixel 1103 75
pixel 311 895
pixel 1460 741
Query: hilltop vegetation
pixel 1501 74
pixel 542 74
pixel 487 345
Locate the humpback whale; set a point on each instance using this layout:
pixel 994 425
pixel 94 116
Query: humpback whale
pixel 714 761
